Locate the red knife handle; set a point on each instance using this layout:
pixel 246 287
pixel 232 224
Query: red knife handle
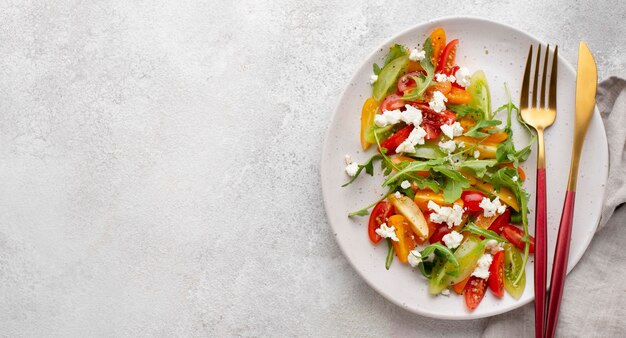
pixel 559 267
pixel 541 253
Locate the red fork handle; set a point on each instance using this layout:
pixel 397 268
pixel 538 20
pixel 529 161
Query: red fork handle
pixel 541 251
pixel 559 267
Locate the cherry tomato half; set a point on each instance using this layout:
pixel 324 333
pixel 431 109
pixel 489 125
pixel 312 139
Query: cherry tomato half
pixel 438 40
pixel 448 56
pixel 377 217
pixel 391 102
pixel 514 235
pixel 501 221
pixel 380 214
pixel 441 231
pixel 496 274
pixel 471 200
pixel 394 141
pixel 406 83
pixel 474 292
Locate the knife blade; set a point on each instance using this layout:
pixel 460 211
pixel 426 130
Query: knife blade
pixel 586 85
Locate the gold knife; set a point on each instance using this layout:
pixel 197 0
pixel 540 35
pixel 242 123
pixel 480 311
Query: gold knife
pixel 586 82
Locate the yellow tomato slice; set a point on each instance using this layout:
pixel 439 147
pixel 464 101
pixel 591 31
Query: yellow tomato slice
pixel 438 39
pixel 367 119
pixel 405 243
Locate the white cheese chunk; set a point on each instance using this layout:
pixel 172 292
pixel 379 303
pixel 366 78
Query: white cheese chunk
pixel 452 240
pixel 490 208
pixel 482 269
pixel 387 232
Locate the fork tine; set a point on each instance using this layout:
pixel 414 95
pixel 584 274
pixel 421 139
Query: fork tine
pixel 544 90
pixel 524 92
pixel 536 81
pixel 553 77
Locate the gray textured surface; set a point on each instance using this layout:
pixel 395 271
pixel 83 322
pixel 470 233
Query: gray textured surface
pixel 159 162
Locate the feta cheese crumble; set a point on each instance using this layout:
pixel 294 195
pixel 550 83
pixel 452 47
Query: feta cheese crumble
pixel 452 216
pixel 452 240
pixel 415 137
pixel 493 246
pixel 348 159
pixel 514 178
pixel 490 208
pixel 352 168
pixel 405 147
pixel 387 232
pixel 448 146
pixel 438 102
pixel 445 292
pixel 417 55
pixel 397 194
pixel 439 77
pixel 462 77
pixel 482 269
pixel 405 184
pixel 411 115
pixel 373 78
pixel 476 154
pixel 415 257
pixel 452 130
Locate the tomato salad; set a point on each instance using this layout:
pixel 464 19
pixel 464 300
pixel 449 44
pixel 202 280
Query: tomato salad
pixel 452 172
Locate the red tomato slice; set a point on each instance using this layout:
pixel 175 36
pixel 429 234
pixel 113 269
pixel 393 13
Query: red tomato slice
pixel 474 292
pixel 380 214
pixel 514 235
pixel 451 71
pixel 441 231
pixel 391 102
pixel 501 221
pixel 432 132
pixel 377 217
pixel 436 119
pixel 471 200
pixel 448 56
pixel 406 83
pixel 496 274
pixel 394 141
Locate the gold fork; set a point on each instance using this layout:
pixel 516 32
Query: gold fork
pixel 540 116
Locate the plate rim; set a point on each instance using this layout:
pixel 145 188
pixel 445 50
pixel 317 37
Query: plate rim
pixel 326 145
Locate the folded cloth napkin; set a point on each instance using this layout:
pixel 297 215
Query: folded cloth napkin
pixel 596 288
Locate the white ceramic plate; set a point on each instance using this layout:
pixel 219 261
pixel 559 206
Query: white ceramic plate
pixel 501 52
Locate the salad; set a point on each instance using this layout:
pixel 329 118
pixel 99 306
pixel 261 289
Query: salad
pixel 455 208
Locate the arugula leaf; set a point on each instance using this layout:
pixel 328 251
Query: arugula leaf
pixel 376 69
pixel 486 233
pixel 389 254
pixel 423 81
pixel 368 166
pixel 423 183
pixel 427 63
pixel 413 167
pixel 454 184
pixel 442 250
pixel 506 150
pixel 479 167
pixel 362 212
pixel 462 110
pixel 475 130
pixel 426 268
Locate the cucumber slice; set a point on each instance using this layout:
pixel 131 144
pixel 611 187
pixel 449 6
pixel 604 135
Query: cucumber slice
pixel 481 99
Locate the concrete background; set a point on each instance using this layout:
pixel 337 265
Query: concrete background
pixel 159 161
